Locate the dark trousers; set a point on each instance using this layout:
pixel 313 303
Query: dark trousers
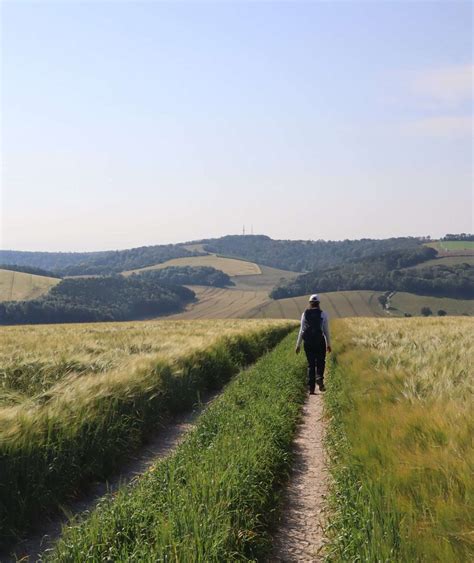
pixel 316 356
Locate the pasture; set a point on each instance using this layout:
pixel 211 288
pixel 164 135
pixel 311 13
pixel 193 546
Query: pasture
pixel 19 286
pixel 230 266
pixel 400 405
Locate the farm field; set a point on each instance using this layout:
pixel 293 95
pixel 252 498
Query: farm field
pixel 400 438
pixel 337 304
pixel 410 303
pixel 35 358
pixel 453 247
pixel 220 303
pixel 445 261
pixel 19 286
pixel 266 281
pixel 230 266
pixel 214 498
pixel 75 400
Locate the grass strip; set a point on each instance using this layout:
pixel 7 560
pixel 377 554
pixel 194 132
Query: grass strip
pixel 87 430
pixel 400 441
pixel 213 499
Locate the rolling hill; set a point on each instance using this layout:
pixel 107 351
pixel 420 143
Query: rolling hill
pixel 19 286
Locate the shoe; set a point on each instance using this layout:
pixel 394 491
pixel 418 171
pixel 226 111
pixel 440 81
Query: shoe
pixel 311 392
pixel 321 387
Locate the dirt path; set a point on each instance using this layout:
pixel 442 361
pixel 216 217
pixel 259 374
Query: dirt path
pixel 166 440
pixel 300 533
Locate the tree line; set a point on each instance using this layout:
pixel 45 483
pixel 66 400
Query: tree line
pixel 96 263
pixel 190 275
pixel 455 281
pixel 305 255
pixel 105 298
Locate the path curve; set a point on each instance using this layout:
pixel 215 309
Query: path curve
pixel 300 534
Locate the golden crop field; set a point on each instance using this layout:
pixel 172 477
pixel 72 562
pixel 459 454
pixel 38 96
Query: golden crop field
pixel 403 394
pixel 229 266
pixel 337 304
pixel 18 286
pixel 410 303
pixel 36 357
pixel 219 303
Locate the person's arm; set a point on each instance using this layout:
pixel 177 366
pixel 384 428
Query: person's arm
pixel 300 334
pixel 326 331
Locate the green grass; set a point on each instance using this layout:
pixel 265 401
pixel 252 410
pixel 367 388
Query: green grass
pixel 400 401
pixel 404 302
pixel 457 244
pixel 87 427
pixel 214 499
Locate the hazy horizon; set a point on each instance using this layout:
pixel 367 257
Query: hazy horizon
pixel 128 124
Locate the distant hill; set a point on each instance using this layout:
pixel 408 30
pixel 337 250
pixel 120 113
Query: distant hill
pixel 306 255
pixel 106 298
pixel 96 263
pixel 19 286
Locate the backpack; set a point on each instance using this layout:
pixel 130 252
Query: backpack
pixel 314 321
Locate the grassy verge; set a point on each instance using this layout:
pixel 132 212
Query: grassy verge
pixel 48 450
pixel 400 441
pixel 213 499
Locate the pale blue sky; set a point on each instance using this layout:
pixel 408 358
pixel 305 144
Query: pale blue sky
pixel 132 123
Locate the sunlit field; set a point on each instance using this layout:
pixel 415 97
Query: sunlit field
pixel 18 286
pixel 77 399
pixel 401 403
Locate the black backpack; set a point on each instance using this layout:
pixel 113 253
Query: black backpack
pixel 314 321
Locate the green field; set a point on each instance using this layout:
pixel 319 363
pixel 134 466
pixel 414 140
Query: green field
pixel 400 437
pixel 410 303
pixel 18 286
pixel 75 400
pixel 453 246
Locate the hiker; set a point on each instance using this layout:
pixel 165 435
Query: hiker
pixel 314 332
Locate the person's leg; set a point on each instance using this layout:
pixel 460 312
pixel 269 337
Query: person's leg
pixel 311 358
pixel 320 357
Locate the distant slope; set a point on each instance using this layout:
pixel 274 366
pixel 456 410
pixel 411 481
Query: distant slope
pixel 337 304
pixel 229 266
pixel 95 263
pixel 410 303
pixel 19 286
pixel 218 303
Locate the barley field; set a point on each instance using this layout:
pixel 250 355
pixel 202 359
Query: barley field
pixel 35 358
pixel 400 401
pixel 230 266
pixel 77 400
pixel 18 286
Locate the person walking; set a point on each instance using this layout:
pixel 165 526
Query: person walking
pixel 314 332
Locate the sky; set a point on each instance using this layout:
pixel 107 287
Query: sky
pixel 127 123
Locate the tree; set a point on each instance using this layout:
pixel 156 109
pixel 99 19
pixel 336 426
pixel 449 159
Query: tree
pixel 426 311
pixel 442 313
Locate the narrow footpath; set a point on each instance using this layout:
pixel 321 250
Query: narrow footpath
pixel 300 534
pixel 161 445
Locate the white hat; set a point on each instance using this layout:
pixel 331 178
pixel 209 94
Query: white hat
pixel 314 298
